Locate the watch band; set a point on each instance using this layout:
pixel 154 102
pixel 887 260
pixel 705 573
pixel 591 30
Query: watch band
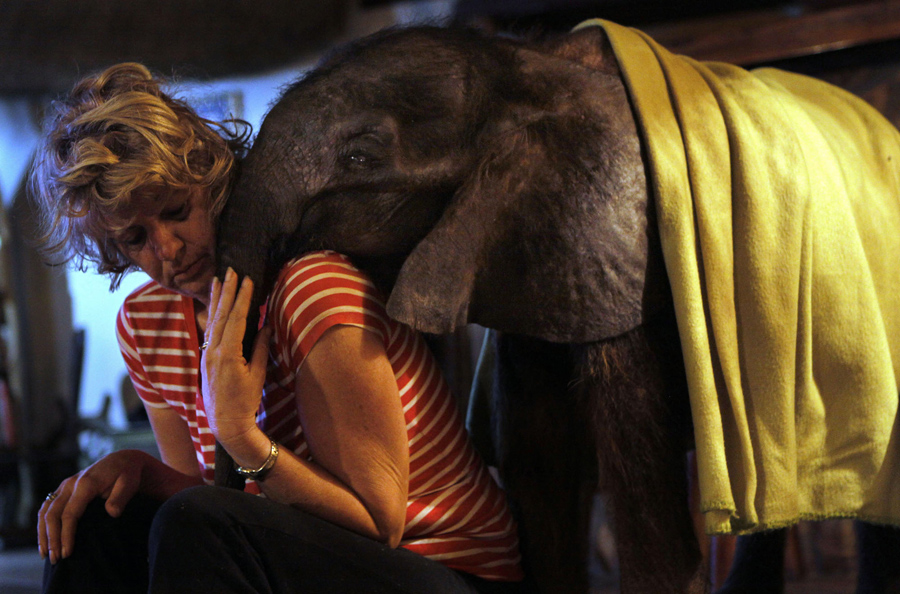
pixel 260 473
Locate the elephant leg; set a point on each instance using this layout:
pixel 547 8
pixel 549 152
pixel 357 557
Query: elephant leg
pixel 879 558
pixel 758 565
pixel 635 384
pixel 759 561
pixel 545 460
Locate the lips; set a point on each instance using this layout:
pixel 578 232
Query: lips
pixel 189 271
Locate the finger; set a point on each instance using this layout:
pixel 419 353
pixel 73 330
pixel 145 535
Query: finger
pixel 214 292
pixel 242 301
pixel 222 307
pixel 122 492
pixel 52 512
pixel 85 491
pixel 42 532
pixel 42 525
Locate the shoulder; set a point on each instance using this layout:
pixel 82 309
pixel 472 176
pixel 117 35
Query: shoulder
pixel 321 290
pixel 321 265
pixel 321 274
pixel 151 295
pixel 149 303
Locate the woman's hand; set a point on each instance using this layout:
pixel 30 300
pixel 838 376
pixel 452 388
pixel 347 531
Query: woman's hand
pixel 232 387
pixel 116 478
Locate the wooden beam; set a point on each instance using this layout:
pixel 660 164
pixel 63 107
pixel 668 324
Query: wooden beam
pixel 764 36
pixel 46 45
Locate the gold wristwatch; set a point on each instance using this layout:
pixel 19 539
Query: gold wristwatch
pixel 260 473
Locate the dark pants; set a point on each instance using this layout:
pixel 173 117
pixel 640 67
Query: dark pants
pixel 210 539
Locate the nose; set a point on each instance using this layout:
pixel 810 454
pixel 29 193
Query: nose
pixel 165 242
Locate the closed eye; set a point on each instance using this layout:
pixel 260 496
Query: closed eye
pixel 178 212
pixel 131 240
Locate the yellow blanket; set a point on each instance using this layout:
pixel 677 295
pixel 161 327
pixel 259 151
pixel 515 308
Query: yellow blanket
pixel 779 212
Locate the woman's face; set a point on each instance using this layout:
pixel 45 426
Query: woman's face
pixel 172 239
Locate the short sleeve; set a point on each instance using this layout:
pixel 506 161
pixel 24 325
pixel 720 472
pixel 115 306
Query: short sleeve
pixel 315 293
pixel 133 363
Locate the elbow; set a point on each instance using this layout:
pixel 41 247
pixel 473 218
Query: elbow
pixel 387 509
pixel 390 531
pixel 393 540
pixel 390 523
pixel 390 514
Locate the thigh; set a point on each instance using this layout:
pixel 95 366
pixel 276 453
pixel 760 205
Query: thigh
pixel 282 550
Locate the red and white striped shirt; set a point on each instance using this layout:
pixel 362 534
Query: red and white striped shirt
pixel 456 514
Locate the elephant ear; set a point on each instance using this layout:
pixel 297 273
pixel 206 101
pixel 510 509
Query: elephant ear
pixel 553 235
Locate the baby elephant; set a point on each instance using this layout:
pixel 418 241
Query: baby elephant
pixel 673 254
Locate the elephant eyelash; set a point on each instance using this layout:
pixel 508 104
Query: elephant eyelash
pixel 361 160
pixel 371 134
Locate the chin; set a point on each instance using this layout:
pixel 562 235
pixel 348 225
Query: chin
pixel 196 290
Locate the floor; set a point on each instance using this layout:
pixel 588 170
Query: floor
pixel 20 571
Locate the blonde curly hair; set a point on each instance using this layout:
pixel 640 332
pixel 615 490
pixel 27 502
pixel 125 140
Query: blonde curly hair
pixel 115 137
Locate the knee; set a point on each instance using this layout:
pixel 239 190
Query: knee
pixel 95 513
pixel 186 516
pixel 95 523
pixel 96 527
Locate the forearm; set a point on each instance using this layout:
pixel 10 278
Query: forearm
pixel 313 489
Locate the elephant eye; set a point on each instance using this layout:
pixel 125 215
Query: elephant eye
pixel 365 151
pixel 362 160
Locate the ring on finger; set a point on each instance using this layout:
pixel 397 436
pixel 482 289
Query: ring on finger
pixel 51 496
pixel 204 345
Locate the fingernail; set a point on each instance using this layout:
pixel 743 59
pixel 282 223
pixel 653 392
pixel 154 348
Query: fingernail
pixel 229 273
pixel 65 553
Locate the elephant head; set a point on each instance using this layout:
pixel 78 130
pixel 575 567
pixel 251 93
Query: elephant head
pixel 476 179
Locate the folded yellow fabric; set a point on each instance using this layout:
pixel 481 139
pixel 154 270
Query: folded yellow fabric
pixel 779 211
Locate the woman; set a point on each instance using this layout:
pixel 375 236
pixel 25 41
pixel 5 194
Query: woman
pixel 340 418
